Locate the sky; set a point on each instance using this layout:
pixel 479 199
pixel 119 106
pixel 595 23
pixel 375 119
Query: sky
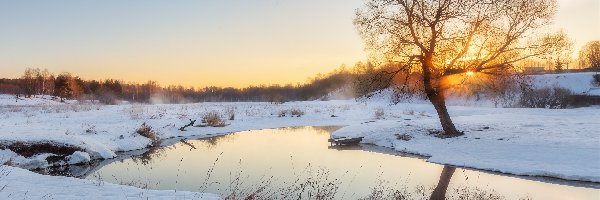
pixel 200 42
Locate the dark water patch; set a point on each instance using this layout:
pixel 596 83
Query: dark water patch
pixel 30 149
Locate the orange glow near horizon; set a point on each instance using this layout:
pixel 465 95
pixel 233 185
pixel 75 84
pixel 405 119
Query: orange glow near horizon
pixel 204 43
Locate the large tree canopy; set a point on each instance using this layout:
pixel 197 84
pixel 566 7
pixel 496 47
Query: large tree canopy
pixel 440 38
pixel 589 55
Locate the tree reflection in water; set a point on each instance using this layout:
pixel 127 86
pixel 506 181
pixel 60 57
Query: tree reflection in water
pixel 150 155
pixel 212 142
pixel 439 193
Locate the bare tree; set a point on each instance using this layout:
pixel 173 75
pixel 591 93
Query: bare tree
pixel 45 82
pixel 442 38
pixel 29 81
pixel 560 58
pixel 589 55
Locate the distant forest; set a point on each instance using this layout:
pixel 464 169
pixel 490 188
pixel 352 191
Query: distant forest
pixel 344 82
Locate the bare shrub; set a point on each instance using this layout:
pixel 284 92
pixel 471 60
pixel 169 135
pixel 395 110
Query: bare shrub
pixel 404 137
pixel 384 191
pixel 90 129
pixel 379 113
pixel 146 131
pixel 231 113
pixel 213 119
pixel 547 97
pixel 294 112
pixel 282 113
pixel 597 79
pixel 316 185
pixel 409 112
pixel 475 193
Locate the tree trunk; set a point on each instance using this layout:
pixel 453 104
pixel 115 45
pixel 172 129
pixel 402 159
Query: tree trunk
pixel 439 103
pixel 435 94
pixel 439 193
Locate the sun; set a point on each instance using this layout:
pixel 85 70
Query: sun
pixel 470 73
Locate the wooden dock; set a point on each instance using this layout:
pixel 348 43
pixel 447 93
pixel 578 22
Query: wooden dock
pixel 345 141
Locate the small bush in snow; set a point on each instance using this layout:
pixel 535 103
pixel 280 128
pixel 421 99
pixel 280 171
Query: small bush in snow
pixel 231 113
pixel 91 129
pixel 296 112
pixel 213 119
pixel 282 113
pixel 404 137
pixel 547 97
pixel 379 113
pixel 292 113
pixel 597 79
pixel 147 132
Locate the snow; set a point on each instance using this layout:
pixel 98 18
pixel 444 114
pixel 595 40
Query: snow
pixel 554 143
pixel 578 83
pixel 22 184
pixel 78 157
pixel 594 92
pixel 10 100
pixel 542 142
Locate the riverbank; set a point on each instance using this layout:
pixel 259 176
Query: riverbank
pixel 539 142
pixel 16 183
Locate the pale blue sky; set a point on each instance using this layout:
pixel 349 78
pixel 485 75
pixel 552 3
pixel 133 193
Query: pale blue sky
pixel 220 42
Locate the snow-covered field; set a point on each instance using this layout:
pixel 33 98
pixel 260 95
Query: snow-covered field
pixel 578 83
pixel 542 142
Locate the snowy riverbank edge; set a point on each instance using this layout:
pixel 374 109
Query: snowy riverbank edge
pixel 551 143
pixel 19 183
pixel 540 142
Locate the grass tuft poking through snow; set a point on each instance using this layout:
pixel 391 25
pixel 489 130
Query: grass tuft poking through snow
pixel 146 131
pixel 379 113
pixel 294 112
pixel 213 119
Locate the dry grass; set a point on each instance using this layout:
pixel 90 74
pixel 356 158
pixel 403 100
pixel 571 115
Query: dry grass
pixel 231 113
pixel 213 119
pixel 404 137
pixel 294 112
pixel 146 131
pixel 379 113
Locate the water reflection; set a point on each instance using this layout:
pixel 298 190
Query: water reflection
pixel 298 162
pixel 147 157
pixel 440 190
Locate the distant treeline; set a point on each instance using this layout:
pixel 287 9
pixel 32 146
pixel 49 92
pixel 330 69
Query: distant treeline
pixel 110 91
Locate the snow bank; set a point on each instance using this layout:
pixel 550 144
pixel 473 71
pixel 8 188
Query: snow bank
pixel 538 142
pixel 22 184
pixel 12 100
pixel 578 83
pixel 102 131
pixel 78 157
